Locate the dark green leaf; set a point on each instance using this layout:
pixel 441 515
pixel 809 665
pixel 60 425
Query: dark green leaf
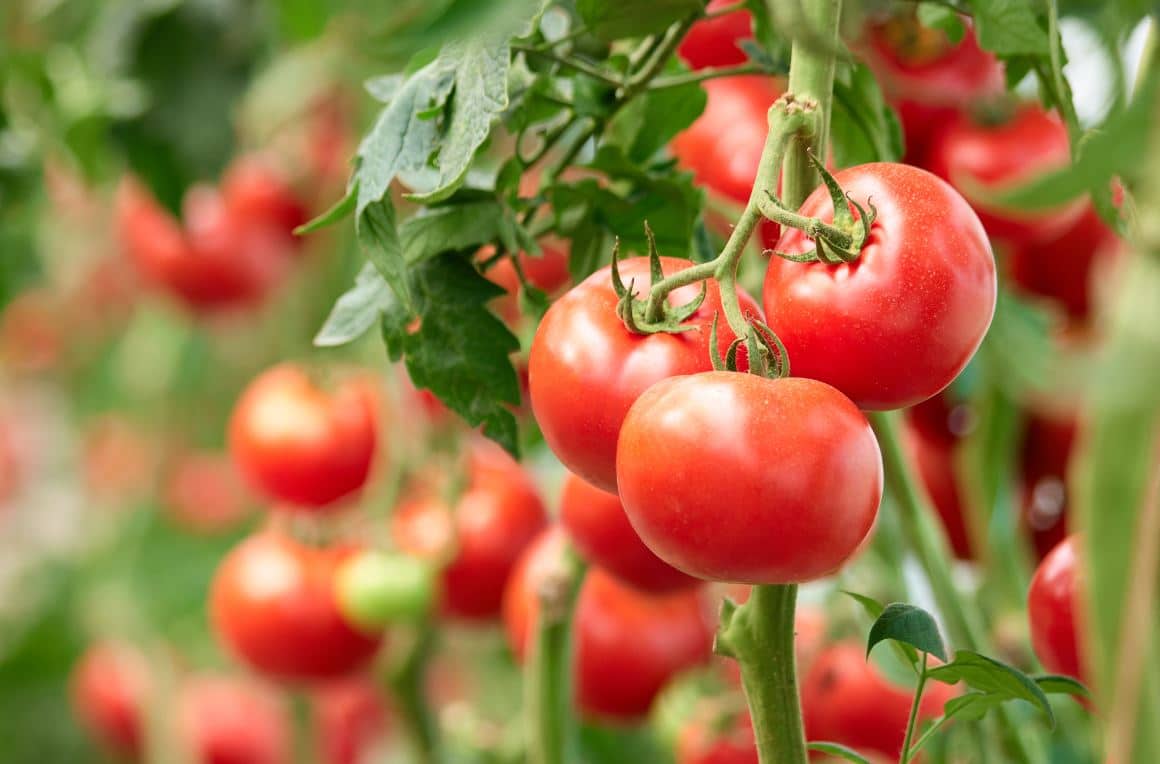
pixel 909 625
pixel 617 19
pixel 864 129
pixel 936 16
pixel 1053 684
pixel 650 121
pixel 992 677
pixel 379 240
pixel 839 750
pixel 1009 27
pixel 337 212
pixel 356 310
pixel 459 350
pixel 450 227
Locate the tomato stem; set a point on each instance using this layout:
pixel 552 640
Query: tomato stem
pixel 759 635
pixel 914 708
pixel 407 682
pixel 708 73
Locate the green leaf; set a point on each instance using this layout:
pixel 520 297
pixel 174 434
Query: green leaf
pixel 357 309
pixel 384 88
pixel 934 16
pixel 992 677
pixel 337 212
pixel 379 240
pixel 651 120
pixel 972 705
pixel 1054 684
pixel 450 227
pixel 617 19
pixel 872 606
pixel 839 750
pixel 1009 27
pixel 459 350
pixel 909 625
pixel 864 129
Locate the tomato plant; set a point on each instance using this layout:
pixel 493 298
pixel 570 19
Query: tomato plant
pixel 1051 610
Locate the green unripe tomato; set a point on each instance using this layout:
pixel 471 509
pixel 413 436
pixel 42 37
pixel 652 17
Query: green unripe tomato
pixel 375 589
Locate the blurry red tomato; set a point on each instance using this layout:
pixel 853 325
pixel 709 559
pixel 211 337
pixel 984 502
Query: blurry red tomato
pixel 714 42
pixel 257 192
pixel 548 273
pixel 351 717
pixel 1052 609
pixel 1046 452
pixel 717 739
pixel 233 720
pixel 109 687
pixel 204 492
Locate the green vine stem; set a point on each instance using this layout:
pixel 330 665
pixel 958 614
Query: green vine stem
pixel 912 722
pixel 548 672
pixel 407 683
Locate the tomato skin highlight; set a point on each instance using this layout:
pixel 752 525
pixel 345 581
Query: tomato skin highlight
pixel 300 445
pixel 597 525
pixel 498 514
pixel 272 603
pixel 713 42
pixel 980 160
pixel 1052 609
pixel 897 325
pixel 583 348
pixel 846 700
pixel 793 460
pixel 627 644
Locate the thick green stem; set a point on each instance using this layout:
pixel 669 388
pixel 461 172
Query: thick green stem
pixel 407 682
pixel 914 707
pixel 759 634
pixel 548 672
pixel 305 744
pixel 811 79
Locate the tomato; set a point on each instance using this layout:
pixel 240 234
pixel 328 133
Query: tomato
pixel 301 445
pixel 898 324
pixel 1052 611
pixel 717 740
pixel 1046 452
pixel 548 273
pixel 793 460
pixel 351 717
pixel 481 535
pixel 217 261
pixel 257 192
pixel 230 720
pixel 714 42
pixel 1062 269
pixel 273 604
pixel 204 493
pixel 846 700
pixel 109 686
pixel 944 417
pixel 597 525
pixel 935 460
pixel 927 78
pixel 981 160
pixel 627 644
pixel 582 345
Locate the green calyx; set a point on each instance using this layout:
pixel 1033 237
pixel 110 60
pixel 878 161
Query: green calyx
pixel 650 315
pixel 834 243
pixel 766 355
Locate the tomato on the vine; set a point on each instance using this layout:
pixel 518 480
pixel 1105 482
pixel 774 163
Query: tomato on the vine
pixel 714 42
pixel 845 699
pixel 928 78
pixel 628 644
pixel 301 445
pixel 597 525
pixel 231 720
pixel 582 346
pixel 480 537
pixel 1052 610
pixel 257 192
pixel 273 604
pixel 898 324
pixel 110 685
pixel 204 493
pixel 793 460
pixel 351 717
pixel 982 159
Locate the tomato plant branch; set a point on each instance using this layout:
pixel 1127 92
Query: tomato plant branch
pixel 407 682
pixel 914 707
pixel 569 62
pixel 1054 80
pixel 709 73
pixel 759 635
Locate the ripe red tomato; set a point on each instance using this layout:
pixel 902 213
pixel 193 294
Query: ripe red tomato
pixel 273 604
pixel 256 191
pixel 627 644
pixel 597 525
pixel 1062 269
pixel 926 77
pixel 301 445
pixel 230 720
pixel 351 717
pixel 1052 611
pixel 935 459
pixel 1046 452
pixel 109 686
pixel 713 42
pixel 582 345
pixel 982 159
pixel 846 700
pixel 705 740
pixel 481 537
pixel 897 325
pixel 204 492
pixel 793 460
